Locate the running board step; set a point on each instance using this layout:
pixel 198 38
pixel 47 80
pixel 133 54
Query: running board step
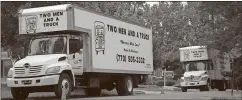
pixel 80 87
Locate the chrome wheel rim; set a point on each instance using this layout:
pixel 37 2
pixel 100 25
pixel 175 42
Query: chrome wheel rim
pixel 65 86
pixel 129 85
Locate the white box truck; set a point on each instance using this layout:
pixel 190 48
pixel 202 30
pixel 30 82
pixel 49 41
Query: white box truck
pixel 205 68
pixel 72 47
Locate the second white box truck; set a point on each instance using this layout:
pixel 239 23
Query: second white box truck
pixel 205 68
pixel 72 47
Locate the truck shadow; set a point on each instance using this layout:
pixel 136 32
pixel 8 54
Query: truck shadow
pixel 54 98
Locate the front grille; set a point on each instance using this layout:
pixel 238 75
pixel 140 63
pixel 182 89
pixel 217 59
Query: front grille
pixel 195 78
pixel 32 70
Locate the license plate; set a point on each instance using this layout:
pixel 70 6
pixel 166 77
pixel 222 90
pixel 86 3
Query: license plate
pixel 26 81
pixel 192 83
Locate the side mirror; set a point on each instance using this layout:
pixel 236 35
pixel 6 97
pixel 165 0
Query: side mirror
pixel 80 51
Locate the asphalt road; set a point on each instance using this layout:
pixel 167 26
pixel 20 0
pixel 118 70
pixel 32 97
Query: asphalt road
pixel 77 95
pixel 176 95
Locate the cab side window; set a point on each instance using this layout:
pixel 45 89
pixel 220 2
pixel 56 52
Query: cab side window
pixel 211 64
pixel 74 45
pixel 211 67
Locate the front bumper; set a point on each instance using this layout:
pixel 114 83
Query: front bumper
pixel 193 84
pixel 35 81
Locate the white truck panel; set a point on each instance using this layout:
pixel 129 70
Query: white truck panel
pixel 111 42
pixel 43 19
pixel 221 62
pixel 216 61
pixel 193 53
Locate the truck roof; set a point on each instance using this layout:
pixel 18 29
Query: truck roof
pixel 193 47
pixel 64 7
pixel 44 9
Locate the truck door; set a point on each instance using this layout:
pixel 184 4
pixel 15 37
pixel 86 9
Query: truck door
pixel 76 54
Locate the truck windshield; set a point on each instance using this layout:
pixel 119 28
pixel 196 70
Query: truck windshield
pixel 48 45
pixel 195 66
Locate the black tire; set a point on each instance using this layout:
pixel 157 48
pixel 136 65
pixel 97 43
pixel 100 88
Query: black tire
pixel 206 87
pixel 19 94
pixel 184 89
pixel 92 91
pixel 135 81
pixel 122 87
pixel 58 88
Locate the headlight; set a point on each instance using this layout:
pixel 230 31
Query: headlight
pixel 10 73
pixel 205 78
pixel 53 70
pixel 182 79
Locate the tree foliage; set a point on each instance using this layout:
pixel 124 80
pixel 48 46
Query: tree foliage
pixel 174 24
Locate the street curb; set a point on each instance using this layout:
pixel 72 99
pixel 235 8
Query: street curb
pixel 172 89
pixel 139 92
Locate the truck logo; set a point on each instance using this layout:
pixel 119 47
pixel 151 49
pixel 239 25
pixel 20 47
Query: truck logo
pixel 192 77
pixel 186 54
pixel 31 24
pixel 99 28
pixel 27 65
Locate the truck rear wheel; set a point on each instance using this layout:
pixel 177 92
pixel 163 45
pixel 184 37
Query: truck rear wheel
pixel 19 94
pixel 64 83
pixel 93 92
pixel 124 86
pixel 184 89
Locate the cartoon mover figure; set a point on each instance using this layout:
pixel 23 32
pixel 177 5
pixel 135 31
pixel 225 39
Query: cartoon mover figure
pixel 31 24
pixel 100 34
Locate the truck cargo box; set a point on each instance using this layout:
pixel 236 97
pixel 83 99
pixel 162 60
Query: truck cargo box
pixel 114 45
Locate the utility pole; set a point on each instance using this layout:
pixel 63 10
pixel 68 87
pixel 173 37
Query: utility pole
pixel 211 18
pixel 164 77
pixel 232 92
pixel 232 74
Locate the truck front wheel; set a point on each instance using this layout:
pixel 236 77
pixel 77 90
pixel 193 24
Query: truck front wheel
pixel 124 86
pixel 205 88
pixel 63 84
pixel 19 94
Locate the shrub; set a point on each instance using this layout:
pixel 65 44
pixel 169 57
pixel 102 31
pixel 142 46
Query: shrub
pixel 168 83
pixel 159 82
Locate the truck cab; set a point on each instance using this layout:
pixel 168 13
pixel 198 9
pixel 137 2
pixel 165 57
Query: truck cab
pixel 196 75
pixel 49 57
